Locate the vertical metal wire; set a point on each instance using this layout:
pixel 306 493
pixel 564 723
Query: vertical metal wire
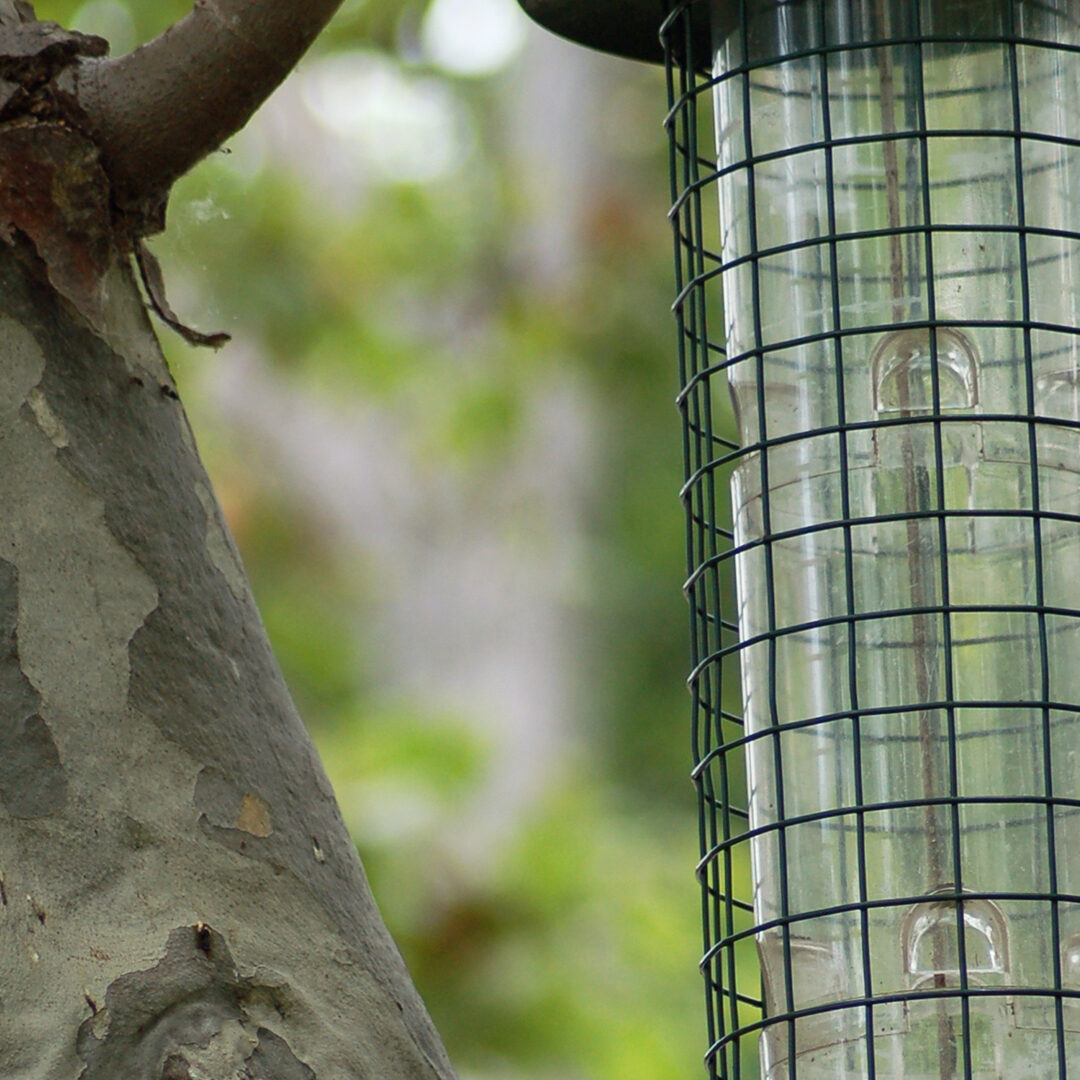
pixel 1040 596
pixel 715 716
pixel 722 818
pixel 954 1044
pixel 862 884
pixel 735 997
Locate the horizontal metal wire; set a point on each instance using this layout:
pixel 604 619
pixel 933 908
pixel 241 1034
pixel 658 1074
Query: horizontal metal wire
pixel 854 908
pixel 880 1001
pixel 837 335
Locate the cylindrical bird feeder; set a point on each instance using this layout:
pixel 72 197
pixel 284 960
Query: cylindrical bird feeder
pixel 879 275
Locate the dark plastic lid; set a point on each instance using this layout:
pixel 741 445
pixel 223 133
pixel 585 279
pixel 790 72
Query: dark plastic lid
pixel 629 28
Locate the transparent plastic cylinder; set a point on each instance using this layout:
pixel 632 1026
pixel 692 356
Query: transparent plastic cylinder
pixel 902 290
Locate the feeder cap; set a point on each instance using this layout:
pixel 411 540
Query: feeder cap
pixel 628 28
pixel 631 28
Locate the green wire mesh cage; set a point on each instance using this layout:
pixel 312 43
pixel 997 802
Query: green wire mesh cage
pixel 886 703
pixel 876 210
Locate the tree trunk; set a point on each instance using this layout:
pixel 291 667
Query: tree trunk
pixel 179 899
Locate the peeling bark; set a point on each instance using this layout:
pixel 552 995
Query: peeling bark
pixel 179 899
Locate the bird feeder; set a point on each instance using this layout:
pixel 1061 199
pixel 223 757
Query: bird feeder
pixel 878 278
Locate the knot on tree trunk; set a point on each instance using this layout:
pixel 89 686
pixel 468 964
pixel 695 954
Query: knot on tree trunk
pixel 186 1015
pixel 32 56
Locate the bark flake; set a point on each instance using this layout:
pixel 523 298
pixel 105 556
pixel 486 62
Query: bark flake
pixel 54 192
pixel 52 187
pixel 273 1060
pixel 33 782
pixel 154 282
pixel 225 806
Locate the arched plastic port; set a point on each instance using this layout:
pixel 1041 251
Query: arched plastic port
pixel 903 372
pixel 931 952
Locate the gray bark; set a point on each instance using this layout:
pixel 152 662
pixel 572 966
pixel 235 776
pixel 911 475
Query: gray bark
pixel 179 895
pixel 179 899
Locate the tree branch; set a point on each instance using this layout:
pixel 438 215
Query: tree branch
pixel 157 111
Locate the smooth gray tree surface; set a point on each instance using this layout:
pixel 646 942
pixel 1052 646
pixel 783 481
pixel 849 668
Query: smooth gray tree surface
pixel 179 899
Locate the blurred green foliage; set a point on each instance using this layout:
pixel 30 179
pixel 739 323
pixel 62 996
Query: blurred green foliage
pixel 569 950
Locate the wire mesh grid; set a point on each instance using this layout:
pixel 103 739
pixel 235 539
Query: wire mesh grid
pixel 885 710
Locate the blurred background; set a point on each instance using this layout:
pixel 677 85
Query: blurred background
pixel 444 436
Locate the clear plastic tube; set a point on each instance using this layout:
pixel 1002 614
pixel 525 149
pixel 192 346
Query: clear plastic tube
pixel 909 574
